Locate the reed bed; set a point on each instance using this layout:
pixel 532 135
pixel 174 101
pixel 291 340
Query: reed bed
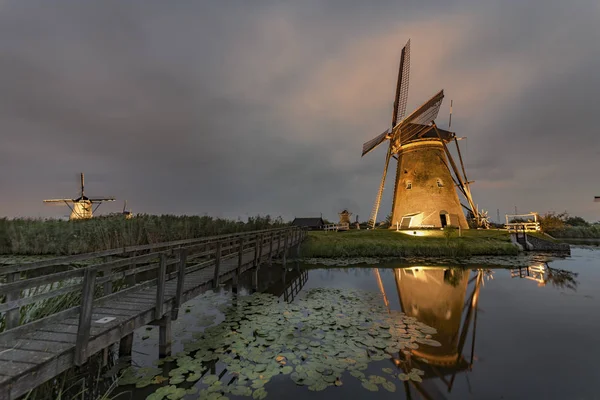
pixel 577 232
pixel 57 237
pixel 386 243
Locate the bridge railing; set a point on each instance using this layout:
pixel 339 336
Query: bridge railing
pixel 109 279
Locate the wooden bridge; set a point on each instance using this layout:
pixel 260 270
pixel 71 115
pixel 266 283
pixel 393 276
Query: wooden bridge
pixel 127 289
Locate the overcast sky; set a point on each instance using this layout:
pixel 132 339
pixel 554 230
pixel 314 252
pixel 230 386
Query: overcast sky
pixel 236 108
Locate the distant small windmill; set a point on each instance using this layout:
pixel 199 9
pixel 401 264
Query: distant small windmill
pixel 127 213
pixel 81 207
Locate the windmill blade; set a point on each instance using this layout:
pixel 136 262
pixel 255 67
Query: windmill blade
pixel 373 218
pixel 420 119
pixel 58 201
pixel 402 85
pixel 100 199
pixel 376 141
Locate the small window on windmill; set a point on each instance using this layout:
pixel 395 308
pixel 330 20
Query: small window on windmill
pixel 439 183
pixel 408 185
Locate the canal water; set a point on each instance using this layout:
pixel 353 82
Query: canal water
pixel 385 331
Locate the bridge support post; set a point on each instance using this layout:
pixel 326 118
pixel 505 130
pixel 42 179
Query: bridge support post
pixel 238 270
pixel 164 337
pixel 160 286
pixel 217 265
pixel 180 282
pixel 126 345
pixel 254 280
pixel 285 249
pixel 271 250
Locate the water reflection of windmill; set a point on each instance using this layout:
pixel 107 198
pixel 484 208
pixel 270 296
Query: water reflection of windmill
pixel 436 297
pixel 81 207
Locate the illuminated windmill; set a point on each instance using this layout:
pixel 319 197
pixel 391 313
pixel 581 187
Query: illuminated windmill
pixel 127 213
pixel 81 207
pixel 424 194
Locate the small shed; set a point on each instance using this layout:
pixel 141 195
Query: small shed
pixel 309 223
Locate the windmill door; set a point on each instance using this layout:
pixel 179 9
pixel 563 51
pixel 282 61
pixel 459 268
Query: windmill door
pixel 444 218
pixel 405 223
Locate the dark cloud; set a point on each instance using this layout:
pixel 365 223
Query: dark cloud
pixel 234 108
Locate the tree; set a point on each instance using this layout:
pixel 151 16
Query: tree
pixel 552 221
pixel 576 221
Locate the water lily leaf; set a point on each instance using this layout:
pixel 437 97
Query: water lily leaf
pixel 389 386
pixel 318 386
pixel 387 370
pixel 403 377
pixel 259 394
pixel 176 380
pixel 287 370
pixel 193 377
pixel 370 386
pixel 210 379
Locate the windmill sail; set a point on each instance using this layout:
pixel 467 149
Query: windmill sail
pixel 419 120
pixel 376 141
pixel 400 99
pixel 402 86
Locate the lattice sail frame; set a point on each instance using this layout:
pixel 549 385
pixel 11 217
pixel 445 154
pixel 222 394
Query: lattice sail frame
pixel 400 100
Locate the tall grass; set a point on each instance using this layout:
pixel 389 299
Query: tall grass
pixel 383 243
pixel 577 232
pixel 57 237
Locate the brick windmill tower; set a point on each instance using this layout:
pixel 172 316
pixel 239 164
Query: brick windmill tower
pixel 424 189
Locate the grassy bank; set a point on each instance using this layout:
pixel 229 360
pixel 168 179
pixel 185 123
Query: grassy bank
pixel 386 243
pixel 55 237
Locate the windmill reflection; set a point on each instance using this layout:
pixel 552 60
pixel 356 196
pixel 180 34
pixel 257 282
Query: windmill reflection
pixel 445 299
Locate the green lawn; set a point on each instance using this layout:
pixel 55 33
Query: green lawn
pixel 389 243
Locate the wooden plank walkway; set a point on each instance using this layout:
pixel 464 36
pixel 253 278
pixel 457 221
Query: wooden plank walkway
pixel 32 354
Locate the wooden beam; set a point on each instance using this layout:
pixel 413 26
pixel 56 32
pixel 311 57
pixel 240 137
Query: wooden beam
pixel 13 316
pixel 85 317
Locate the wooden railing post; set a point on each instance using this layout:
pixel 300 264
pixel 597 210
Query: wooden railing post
pixel 217 265
pixel 13 316
pixel 160 286
pixel 180 282
pixel 85 316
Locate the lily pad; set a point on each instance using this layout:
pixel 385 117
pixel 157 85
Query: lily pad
pixel 370 386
